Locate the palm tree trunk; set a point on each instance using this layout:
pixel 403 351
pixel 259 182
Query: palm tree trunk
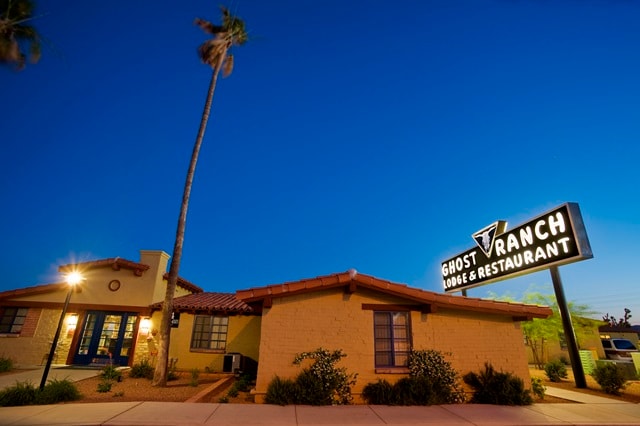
pixel 160 374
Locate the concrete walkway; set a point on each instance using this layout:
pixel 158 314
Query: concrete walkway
pixel 589 410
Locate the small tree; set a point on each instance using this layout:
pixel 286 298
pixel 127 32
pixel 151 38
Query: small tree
pixel 538 332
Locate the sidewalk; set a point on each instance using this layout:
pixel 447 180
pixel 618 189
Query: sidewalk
pixel 33 374
pixel 589 410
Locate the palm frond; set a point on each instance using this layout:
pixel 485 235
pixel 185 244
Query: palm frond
pixel 227 67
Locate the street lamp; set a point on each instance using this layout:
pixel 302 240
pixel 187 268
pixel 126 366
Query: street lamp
pixel 72 278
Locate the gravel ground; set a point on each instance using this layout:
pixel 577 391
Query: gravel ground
pixel 630 394
pixel 138 389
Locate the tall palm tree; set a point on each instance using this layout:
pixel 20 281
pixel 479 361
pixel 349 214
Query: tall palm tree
pixel 215 52
pixel 15 33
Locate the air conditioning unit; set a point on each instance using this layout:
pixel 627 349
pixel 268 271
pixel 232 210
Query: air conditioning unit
pixel 231 362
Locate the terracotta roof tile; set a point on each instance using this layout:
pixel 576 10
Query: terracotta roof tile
pixel 437 300
pixel 33 290
pixel 116 263
pixel 208 302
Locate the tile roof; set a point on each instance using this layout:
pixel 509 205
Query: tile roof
pixel 30 291
pixel 353 280
pixel 208 302
pixel 116 263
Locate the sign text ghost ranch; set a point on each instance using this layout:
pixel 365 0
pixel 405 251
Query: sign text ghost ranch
pixel 555 238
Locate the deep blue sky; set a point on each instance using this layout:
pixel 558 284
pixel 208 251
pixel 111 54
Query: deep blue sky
pixel 361 134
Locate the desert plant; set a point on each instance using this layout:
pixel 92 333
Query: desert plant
pixel 58 391
pixel 6 364
pixel 195 374
pixel 493 387
pixel 537 387
pixel 610 377
pixel 110 372
pixel 223 400
pixel 22 393
pixel 556 370
pixel 281 392
pixel 105 386
pixel 244 383
pixel 173 372
pixel 142 369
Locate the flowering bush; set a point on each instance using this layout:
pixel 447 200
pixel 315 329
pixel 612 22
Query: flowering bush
pixel 334 384
pixel 321 383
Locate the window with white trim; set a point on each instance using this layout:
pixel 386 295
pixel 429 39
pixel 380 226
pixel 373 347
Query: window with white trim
pixel 210 332
pixel 392 336
pixel 12 320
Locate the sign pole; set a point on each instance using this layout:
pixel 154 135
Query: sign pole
pixel 574 355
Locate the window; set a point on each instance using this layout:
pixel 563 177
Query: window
pixel 392 337
pixel 12 320
pixel 209 332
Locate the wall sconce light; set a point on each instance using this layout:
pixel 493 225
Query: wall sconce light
pixel 145 325
pixel 72 322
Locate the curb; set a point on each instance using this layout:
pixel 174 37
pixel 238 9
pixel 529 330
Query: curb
pixel 207 391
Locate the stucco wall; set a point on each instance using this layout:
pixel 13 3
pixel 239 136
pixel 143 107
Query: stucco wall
pixel 243 336
pixel 334 320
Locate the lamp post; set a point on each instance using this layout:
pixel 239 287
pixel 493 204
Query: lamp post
pixel 72 279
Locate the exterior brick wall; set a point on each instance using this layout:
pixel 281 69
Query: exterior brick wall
pixel 31 322
pixel 32 350
pixel 334 320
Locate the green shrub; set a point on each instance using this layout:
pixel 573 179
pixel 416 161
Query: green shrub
pixel 610 377
pixel 281 392
pixel 332 384
pixel 143 369
pixel 105 386
pixel 556 371
pixel 432 381
pixel 22 393
pixel 6 364
pixel 223 400
pixel 58 391
pixel 321 383
pixel 537 387
pixel 442 383
pixel 195 374
pixel 244 383
pixel 110 372
pixel 380 393
pixel 172 374
pixel 492 387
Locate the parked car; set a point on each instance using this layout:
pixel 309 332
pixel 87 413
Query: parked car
pixel 618 349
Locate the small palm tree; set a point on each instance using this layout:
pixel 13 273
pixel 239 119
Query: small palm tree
pixel 15 33
pixel 215 52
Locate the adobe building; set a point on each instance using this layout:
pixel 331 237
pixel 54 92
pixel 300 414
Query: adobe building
pixel 114 314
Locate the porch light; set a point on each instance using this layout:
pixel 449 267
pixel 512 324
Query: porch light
pixel 145 325
pixel 72 322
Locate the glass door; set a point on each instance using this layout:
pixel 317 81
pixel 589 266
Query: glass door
pixel 106 338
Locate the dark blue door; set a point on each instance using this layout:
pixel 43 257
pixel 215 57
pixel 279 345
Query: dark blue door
pixel 107 337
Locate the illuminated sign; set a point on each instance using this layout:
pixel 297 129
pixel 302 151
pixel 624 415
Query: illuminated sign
pixel 555 238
